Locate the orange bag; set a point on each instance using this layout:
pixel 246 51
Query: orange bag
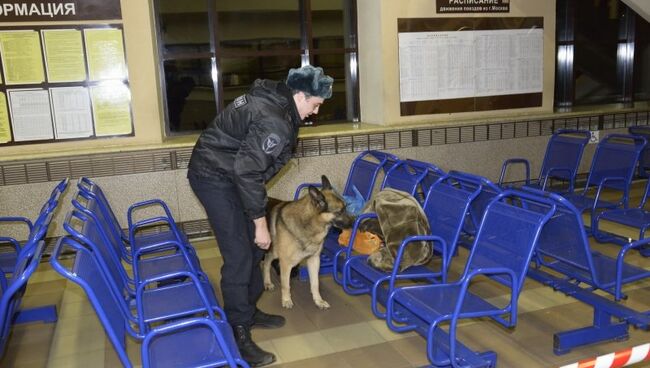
pixel 364 243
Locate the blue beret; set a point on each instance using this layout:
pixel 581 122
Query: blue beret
pixel 310 80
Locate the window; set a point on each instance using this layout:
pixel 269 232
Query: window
pixel 642 60
pixel 596 41
pixel 212 50
pixel 600 57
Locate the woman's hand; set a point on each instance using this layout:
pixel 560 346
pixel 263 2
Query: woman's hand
pixel 262 235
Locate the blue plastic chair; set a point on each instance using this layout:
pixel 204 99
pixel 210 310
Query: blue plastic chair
pixel 10 311
pixel 612 168
pixel 446 206
pixel 564 247
pixel 155 258
pixel 489 191
pixel 366 168
pixel 25 263
pixel 637 217
pixel 644 158
pixel 406 176
pixel 191 292
pixel 135 236
pixel 502 251
pixel 561 159
pixel 433 174
pixel 8 258
pixel 364 172
pixel 566 262
pixel 192 342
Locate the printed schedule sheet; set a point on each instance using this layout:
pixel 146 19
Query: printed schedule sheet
pixel 461 64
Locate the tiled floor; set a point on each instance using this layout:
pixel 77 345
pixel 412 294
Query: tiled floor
pixel 347 335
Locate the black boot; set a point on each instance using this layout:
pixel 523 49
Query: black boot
pixel 265 320
pixel 249 350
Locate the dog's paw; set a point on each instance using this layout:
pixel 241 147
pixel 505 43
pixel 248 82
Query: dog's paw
pixel 269 287
pixel 322 304
pixel 288 303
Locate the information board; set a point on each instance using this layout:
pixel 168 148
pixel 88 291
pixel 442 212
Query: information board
pixel 471 67
pixel 62 81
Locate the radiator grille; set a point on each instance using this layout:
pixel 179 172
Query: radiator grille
pixel 136 162
pixel 452 135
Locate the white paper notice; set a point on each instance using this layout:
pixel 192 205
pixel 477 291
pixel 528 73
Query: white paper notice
pixel 30 113
pixel 72 113
pixel 446 65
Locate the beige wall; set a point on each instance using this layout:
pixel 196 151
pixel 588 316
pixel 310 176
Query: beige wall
pixel 378 58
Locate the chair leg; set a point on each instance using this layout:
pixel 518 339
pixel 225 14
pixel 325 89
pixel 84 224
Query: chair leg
pixel 603 329
pixel 46 314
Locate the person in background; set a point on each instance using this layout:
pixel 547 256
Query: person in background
pixel 177 94
pixel 233 159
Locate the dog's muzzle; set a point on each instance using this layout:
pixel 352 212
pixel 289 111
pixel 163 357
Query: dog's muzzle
pixel 344 221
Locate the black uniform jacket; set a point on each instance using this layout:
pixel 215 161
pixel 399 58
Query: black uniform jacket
pixel 249 142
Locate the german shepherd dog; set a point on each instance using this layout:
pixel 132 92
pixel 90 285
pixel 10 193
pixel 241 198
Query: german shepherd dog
pixel 298 229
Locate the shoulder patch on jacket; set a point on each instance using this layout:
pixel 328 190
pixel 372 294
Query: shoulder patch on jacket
pixel 240 101
pixel 271 143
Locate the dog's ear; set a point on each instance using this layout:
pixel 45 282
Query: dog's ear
pixel 318 198
pixel 326 182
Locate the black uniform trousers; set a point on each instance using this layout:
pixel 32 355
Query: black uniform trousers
pixel 241 276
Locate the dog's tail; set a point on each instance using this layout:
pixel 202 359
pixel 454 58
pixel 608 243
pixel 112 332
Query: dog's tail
pixel 273 219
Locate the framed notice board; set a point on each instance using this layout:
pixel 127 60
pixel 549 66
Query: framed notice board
pixel 63 82
pixel 470 64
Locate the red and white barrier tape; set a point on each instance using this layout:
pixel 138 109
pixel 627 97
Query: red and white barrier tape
pixel 618 359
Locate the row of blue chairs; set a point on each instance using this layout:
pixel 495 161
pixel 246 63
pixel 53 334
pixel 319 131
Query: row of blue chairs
pixel 19 263
pixel 133 274
pixel 144 285
pixel 447 205
pixel 431 298
pixel 566 262
pixel 564 247
pixel 562 158
pixel 616 160
pixel 459 201
pixel 637 217
pixel 501 253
